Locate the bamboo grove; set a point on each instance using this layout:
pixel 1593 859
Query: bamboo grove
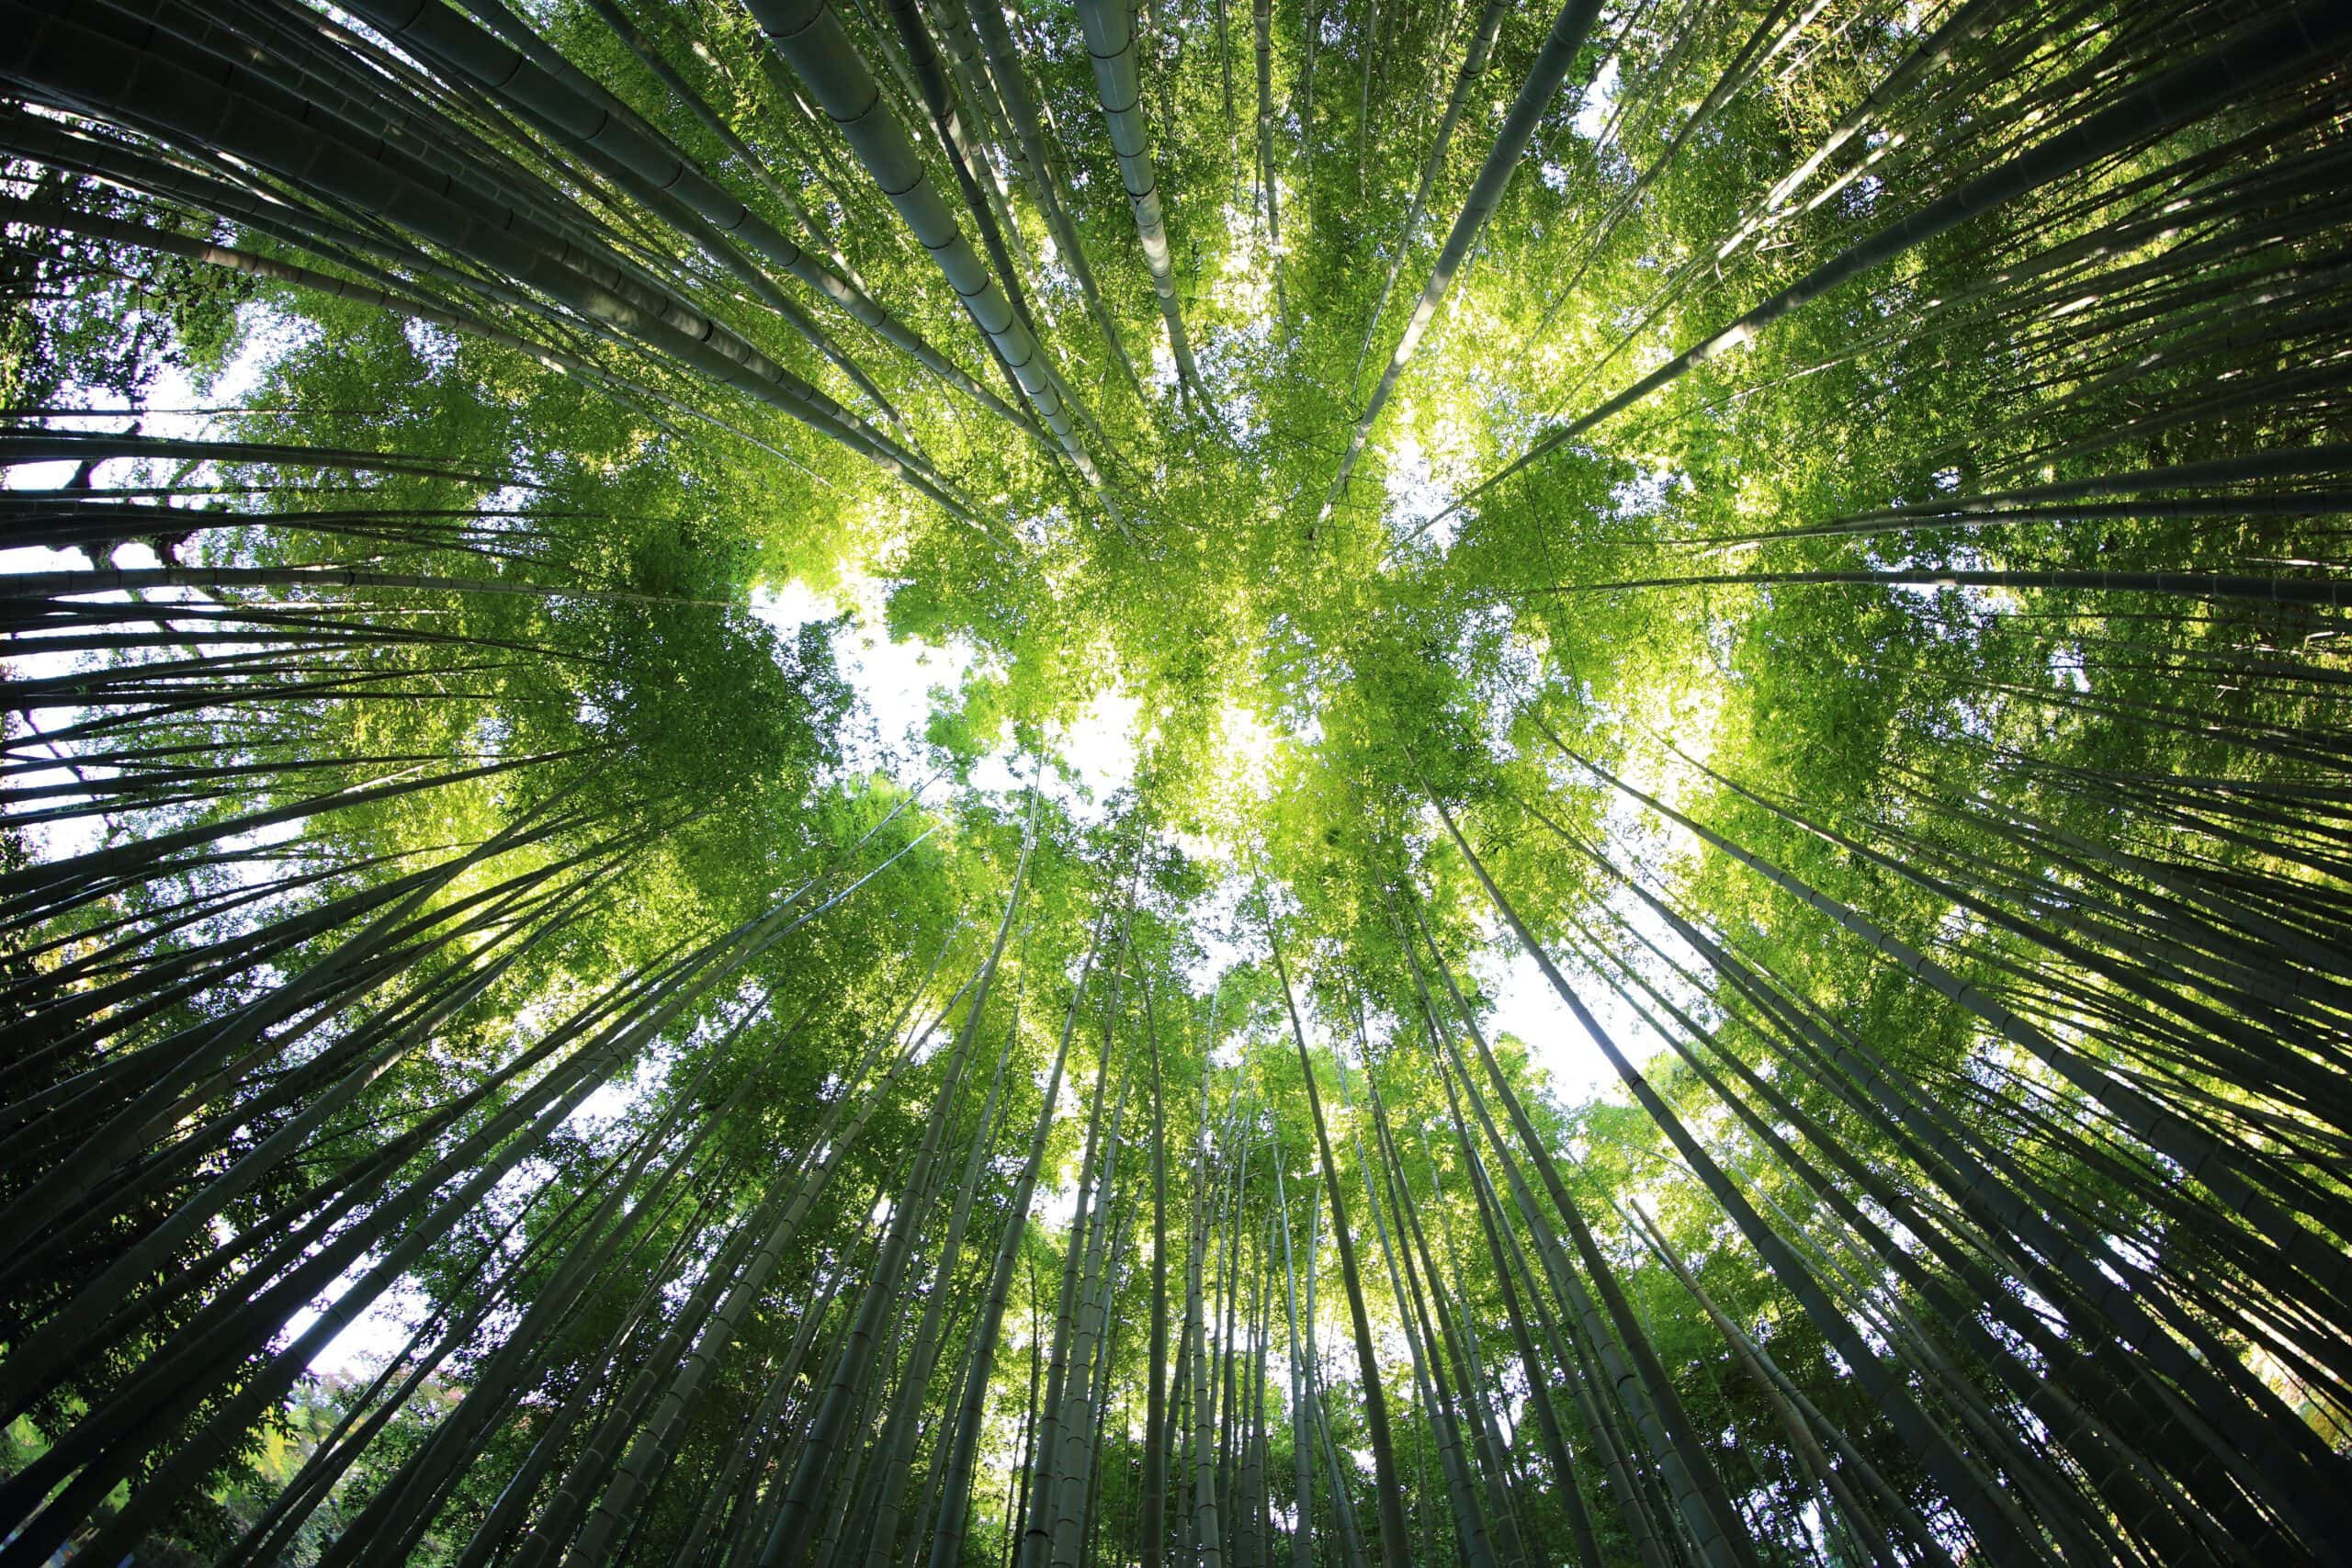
pixel 1785 552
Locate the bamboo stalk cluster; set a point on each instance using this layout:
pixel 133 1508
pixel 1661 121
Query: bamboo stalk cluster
pixel 432 898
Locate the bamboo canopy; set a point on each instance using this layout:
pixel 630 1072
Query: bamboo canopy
pixel 846 784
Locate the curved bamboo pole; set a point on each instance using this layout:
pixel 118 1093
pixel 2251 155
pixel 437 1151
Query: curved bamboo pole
pixel 1111 47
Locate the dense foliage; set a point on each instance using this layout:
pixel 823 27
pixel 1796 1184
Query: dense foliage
pixel 1785 550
